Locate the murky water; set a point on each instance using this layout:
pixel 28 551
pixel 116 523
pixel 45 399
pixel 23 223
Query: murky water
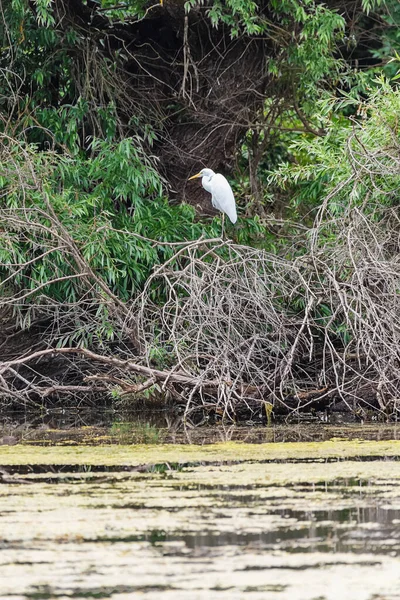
pixel 157 426
pixel 270 521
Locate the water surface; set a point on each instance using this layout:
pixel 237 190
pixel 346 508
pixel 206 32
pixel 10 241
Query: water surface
pixel 267 521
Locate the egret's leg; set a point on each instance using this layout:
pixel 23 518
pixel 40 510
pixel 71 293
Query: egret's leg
pixel 223 225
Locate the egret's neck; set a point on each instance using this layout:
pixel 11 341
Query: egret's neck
pixel 206 182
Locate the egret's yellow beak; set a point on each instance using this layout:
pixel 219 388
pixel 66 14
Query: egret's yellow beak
pixel 195 176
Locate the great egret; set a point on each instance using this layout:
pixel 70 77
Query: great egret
pixel 221 192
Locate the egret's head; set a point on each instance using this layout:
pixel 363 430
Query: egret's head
pixel 203 173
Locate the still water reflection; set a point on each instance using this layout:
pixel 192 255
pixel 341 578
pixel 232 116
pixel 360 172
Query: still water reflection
pixel 158 426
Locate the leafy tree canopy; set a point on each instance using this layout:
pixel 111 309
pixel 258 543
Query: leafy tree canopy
pixel 117 103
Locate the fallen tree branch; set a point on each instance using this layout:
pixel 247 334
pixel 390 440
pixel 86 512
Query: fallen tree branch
pixel 63 389
pixel 157 375
pixel 127 388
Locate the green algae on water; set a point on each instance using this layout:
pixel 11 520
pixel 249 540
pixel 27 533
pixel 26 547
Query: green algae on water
pixel 135 455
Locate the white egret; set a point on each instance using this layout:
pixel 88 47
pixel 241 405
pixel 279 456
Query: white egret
pixel 221 192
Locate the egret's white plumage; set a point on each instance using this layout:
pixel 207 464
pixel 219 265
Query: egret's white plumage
pixel 221 192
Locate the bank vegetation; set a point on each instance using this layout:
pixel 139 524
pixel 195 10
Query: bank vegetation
pixel 115 282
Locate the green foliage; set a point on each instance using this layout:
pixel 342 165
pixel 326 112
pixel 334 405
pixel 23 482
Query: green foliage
pixel 241 16
pixel 388 51
pixel 59 94
pixel 129 10
pixel 356 157
pixel 103 201
pixel 45 85
pixel 303 67
pixel 369 5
